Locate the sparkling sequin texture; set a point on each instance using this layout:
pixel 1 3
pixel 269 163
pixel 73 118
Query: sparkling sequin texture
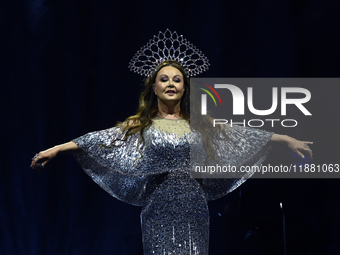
pixel 175 216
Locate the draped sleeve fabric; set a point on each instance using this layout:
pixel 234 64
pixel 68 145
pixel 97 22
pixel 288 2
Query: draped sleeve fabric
pixel 112 162
pixel 130 171
pixel 244 147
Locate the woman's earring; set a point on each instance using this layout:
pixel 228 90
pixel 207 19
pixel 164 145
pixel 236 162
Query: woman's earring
pixel 183 89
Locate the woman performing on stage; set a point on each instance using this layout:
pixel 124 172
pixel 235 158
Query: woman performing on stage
pixel 145 160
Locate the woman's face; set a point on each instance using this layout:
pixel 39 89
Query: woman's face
pixel 169 84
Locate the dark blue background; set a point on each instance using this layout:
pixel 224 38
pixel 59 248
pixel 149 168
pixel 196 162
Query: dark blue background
pixel 64 73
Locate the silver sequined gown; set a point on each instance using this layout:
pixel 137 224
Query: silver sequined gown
pixel 175 216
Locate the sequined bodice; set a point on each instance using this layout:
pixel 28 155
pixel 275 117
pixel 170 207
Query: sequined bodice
pixel 167 146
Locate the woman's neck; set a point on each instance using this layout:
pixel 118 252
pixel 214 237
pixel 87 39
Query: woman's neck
pixel 170 110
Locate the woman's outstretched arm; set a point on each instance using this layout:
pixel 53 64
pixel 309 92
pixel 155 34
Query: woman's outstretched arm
pixel 47 155
pixel 295 145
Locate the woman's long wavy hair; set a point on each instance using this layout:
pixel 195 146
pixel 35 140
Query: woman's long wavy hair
pixel 148 109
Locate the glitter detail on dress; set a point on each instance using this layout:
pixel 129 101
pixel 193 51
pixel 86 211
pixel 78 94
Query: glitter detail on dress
pixel 175 216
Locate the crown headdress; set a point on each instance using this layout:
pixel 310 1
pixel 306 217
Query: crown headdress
pixel 168 46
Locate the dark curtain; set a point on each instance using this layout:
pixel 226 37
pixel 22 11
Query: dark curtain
pixel 64 73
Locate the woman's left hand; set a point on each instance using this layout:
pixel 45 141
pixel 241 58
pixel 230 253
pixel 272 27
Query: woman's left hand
pixel 299 147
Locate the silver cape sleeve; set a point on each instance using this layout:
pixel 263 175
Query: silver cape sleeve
pixel 244 147
pixel 112 163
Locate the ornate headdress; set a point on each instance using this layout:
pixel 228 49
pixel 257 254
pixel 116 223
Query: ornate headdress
pixel 169 46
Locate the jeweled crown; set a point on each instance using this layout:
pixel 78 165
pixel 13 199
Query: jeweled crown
pixel 169 46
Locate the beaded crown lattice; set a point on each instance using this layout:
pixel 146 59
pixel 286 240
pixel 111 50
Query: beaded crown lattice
pixel 169 46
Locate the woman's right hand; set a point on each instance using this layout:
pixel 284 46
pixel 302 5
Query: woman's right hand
pixel 43 157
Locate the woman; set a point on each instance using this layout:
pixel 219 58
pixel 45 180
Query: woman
pixel 145 161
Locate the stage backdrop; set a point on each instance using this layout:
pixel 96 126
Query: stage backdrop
pixel 64 73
